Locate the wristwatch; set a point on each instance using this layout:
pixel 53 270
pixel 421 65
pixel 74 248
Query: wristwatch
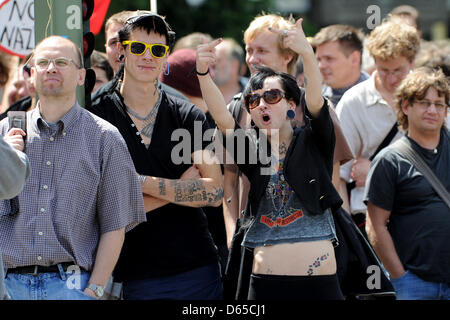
pixel 98 290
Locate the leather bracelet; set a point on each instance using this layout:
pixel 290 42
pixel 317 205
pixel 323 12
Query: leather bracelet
pixel 202 74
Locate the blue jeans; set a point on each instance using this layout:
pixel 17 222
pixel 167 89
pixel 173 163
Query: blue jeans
pixel 48 286
pixel 202 283
pixel 411 287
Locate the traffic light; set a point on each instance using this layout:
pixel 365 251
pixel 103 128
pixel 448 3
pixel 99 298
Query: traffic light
pixel 87 7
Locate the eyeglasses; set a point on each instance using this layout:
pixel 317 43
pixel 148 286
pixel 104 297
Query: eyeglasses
pixel 138 48
pixel 270 96
pixel 396 73
pixel 60 63
pixel 425 104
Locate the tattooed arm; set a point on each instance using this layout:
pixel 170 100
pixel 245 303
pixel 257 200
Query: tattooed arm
pixel 205 190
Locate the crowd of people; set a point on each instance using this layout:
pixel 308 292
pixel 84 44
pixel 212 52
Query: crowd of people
pixel 201 170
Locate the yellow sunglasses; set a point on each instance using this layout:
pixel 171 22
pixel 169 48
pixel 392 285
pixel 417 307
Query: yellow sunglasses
pixel 138 48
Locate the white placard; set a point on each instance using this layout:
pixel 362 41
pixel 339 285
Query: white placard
pixel 17 26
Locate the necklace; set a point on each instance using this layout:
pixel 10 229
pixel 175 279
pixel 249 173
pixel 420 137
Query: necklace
pixel 145 118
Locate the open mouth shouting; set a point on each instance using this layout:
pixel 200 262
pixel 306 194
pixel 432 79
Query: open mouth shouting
pixel 266 118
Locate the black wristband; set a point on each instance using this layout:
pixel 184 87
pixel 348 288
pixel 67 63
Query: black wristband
pixel 202 74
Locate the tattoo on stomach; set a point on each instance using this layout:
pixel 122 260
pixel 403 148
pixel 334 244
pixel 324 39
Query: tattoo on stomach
pixel 316 264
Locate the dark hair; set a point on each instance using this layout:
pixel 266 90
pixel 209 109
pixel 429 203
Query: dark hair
pixel 350 38
pixel 147 21
pixel 99 60
pixel 288 83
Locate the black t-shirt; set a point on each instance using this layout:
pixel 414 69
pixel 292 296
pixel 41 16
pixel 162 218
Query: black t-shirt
pixel 175 238
pixel 420 220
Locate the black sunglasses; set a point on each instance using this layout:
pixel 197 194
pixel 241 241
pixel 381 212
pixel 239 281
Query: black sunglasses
pixel 271 96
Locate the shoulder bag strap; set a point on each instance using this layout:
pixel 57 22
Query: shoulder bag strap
pixel 383 144
pixel 405 147
pixel 386 140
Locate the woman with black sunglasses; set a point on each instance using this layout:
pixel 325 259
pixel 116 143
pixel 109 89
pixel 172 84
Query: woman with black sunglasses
pixel 289 225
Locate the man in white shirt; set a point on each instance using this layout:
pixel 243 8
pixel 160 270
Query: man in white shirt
pixel 366 110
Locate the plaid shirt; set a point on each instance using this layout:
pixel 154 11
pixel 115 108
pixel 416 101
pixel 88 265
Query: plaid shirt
pixel 82 184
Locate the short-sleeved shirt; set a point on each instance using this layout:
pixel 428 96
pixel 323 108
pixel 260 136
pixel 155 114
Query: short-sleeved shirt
pixel 175 238
pixel 366 119
pixel 420 220
pixel 82 184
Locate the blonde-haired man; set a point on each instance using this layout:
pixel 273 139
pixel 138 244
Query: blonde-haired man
pixel 408 223
pixel 366 111
pixel 264 47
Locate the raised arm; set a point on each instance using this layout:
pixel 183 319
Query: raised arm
pixel 295 39
pixel 211 93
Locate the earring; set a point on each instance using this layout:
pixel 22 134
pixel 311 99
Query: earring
pixel 290 114
pixel 121 57
pixel 167 71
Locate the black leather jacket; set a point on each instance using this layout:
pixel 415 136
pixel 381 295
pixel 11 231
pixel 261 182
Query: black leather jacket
pixel 308 167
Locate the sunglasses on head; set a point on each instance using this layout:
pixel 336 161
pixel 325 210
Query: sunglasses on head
pixel 271 96
pixel 138 48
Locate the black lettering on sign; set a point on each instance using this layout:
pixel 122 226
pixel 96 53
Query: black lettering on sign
pixel 17 31
pixel 8 36
pixel 26 9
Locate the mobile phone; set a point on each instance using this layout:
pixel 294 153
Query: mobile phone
pixel 18 119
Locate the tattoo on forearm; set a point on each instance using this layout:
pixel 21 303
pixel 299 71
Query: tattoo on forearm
pixel 316 264
pixel 195 190
pixel 215 195
pixel 162 186
pixel 189 191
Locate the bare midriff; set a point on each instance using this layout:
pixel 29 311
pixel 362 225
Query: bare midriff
pixel 295 259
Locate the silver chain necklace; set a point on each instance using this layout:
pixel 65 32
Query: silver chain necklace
pixel 145 118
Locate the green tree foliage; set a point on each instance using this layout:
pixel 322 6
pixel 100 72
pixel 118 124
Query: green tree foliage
pixel 219 18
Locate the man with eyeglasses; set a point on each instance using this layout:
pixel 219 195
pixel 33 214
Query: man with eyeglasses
pixel 172 255
pixel 64 238
pixel 408 223
pixel 366 111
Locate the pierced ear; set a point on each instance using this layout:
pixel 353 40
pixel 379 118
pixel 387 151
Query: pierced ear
pixel 292 104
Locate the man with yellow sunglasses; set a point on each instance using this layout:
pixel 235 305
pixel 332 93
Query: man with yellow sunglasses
pixel 116 59
pixel 138 48
pixel 172 255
